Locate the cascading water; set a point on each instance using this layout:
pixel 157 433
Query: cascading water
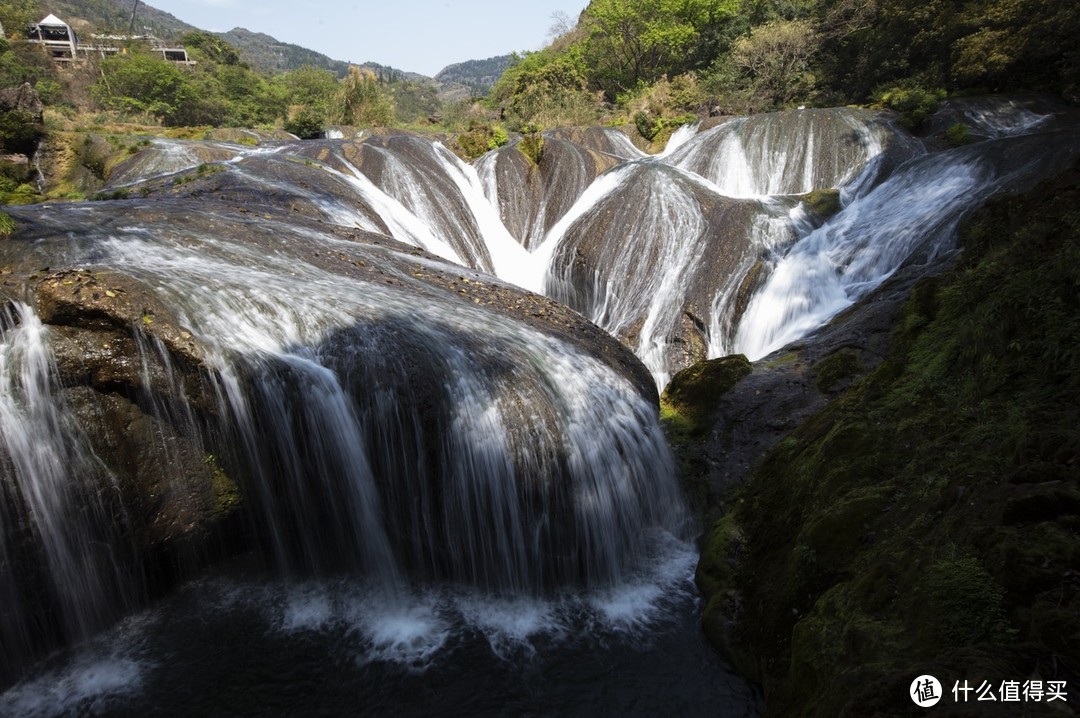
pixel 788 153
pixel 381 424
pixel 629 257
pixel 438 463
pixel 912 215
pixel 55 497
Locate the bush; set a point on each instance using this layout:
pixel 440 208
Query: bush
pixel 957 135
pixel 361 101
pixel 912 101
pixel 498 138
pixel 532 146
pixel 306 124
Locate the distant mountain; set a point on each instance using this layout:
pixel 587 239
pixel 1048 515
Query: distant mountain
pixel 479 76
pixel 267 53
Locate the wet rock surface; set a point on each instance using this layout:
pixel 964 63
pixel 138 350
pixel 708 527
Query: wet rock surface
pixel 887 483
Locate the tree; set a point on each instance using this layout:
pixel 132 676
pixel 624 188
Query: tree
pixel 630 42
pixel 312 87
pixel 16 15
pixel 142 83
pixel 211 47
pixel 361 101
pixel 775 59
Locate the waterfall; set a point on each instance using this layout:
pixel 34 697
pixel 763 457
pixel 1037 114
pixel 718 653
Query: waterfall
pixel 40 183
pixel 628 255
pixel 379 424
pixel 321 335
pixel 786 153
pixel 682 255
pixel 911 216
pixel 56 496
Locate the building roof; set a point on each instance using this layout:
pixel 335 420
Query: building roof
pixel 52 20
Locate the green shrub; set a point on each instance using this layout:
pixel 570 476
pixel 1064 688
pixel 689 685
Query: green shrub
pixel 532 146
pixel 912 101
pixel 958 135
pixel 307 124
pixel 121 193
pixel 498 138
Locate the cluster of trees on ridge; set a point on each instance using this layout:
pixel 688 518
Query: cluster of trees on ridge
pixel 658 59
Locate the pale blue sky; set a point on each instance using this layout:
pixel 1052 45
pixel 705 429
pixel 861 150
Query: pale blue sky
pixel 414 35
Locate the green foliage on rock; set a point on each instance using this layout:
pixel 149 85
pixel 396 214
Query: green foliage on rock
pixel 913 102
pixel 478 139
pixel 957 135
pixel 7 224
pixel 924 520
pixel 532 146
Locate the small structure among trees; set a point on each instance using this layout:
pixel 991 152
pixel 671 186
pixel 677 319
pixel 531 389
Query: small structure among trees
pixel 56 36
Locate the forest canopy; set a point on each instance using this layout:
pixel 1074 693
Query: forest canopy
pixel 758 55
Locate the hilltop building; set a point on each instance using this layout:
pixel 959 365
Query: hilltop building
pixel 62 43
pixel 57 37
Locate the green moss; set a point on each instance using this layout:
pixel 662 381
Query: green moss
pixel 964 604
pixel 716 569
pixel 823 202
pixel 835 368
pixel 694 392
pixel 7 224
pixel 715 576
pixel 935 506
pixel 783 360
pixel 958 135
pixel 687 406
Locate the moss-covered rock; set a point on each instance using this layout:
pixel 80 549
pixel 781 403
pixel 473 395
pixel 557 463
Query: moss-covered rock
pixel 822 202
pixel 927 520
pixel 833 371
pixel 693 392
pixel 687 407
